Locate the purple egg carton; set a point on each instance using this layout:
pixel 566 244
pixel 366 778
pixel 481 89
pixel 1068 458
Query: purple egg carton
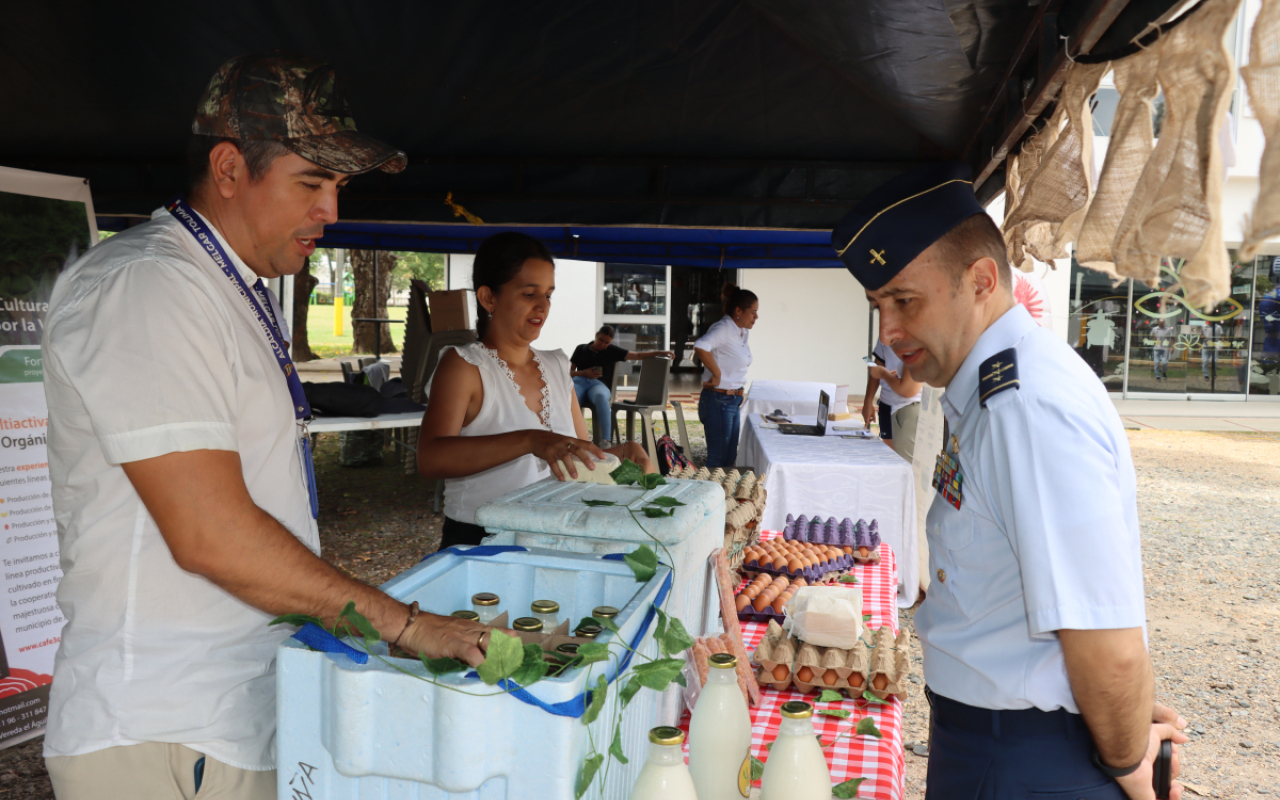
pixel 749 614
pixel 842 533
pixel 810 574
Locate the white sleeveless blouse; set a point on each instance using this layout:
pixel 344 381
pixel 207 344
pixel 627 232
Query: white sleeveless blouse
pixel 504 410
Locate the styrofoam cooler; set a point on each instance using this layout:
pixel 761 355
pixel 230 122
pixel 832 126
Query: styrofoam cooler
pixel 552 514
pixel 348 731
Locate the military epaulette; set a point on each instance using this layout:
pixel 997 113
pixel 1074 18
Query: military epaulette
pixel 998 373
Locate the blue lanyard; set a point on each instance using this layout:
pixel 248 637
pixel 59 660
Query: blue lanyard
pixel 267 323
pixel 193 224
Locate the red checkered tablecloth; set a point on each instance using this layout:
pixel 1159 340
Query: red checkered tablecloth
pixel 880 761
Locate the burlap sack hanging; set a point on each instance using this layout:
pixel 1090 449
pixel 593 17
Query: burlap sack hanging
pixel 1176 208
pixel 1132 140
pixel 1059 191
pixel 1262 76
pixel 1028 161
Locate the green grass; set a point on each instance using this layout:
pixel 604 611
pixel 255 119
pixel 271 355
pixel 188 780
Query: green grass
pixel 320 331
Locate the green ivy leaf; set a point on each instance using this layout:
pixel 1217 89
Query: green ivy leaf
pixel 594 503
pixel 592 652
pixel 615 749
pixel 757 769
pixel 643 562
pixel 629 691
pixel 848 579
pixel 627 473
pixel 847 790
pixel 533 668
pixel 834 712
pixel 666 501
pixel 871 698
pixel 651 481
pixel 867 727
pixel 653 512
pixel 830 696
pixel 350 617
pixel 866 617
pixel 587 775
pixel 297 620
pixel 598 695
pixel 659 674
pixel 442 666
pixel 671 634
pixel 505 655
pixel 607 624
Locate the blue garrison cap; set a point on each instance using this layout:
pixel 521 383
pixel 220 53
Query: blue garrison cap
pixel 899 219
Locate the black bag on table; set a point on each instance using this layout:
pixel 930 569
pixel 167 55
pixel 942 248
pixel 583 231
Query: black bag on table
pixel 343 399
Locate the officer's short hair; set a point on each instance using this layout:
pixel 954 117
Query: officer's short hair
pixel 258 154
pixel 975 238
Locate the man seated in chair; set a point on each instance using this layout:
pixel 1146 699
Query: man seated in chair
pixel 592 370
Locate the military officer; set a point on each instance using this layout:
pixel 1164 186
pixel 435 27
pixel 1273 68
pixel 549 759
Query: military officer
pixel 1034 632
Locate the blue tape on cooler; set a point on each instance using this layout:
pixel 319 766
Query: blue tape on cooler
pixel 614 557
pixel 317 638
pixel 480 551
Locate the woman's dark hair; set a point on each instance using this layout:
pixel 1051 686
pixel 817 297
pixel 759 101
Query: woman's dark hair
pixel 498 261
pixel 741 299
pixel 607 330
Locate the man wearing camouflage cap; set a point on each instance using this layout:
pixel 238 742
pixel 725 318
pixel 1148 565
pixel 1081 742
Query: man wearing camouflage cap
pixel 180 462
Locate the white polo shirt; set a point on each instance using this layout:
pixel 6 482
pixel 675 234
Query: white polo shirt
pixel 148 350
pixel 727 343
pixel 1046 536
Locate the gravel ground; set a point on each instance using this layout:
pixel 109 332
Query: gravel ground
pixel 1210 513
pixel 1212 616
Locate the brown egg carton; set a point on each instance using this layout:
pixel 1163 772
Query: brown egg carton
pixel 744 506
pixel 881 669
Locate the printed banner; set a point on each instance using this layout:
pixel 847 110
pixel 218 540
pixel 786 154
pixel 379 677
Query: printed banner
pixel 46 221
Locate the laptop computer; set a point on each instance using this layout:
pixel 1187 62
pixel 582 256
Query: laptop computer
pixel 820 429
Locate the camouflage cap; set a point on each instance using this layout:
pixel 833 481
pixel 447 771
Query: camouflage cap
pixel 294 100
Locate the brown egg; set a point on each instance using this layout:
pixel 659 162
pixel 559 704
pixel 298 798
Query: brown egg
pixel 782 582
pixel 805 675
pixel 760 602
pixel 781 672
pixel 847 550
pixel 799 582
pixel 766 560
pixel 864 552
pixel 880 681
pixel 856 680
pixel 742 602
pixel 830 677
pixel 750 593
pixel 795 565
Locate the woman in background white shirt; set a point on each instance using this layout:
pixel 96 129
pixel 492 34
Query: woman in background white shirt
pixel 725 358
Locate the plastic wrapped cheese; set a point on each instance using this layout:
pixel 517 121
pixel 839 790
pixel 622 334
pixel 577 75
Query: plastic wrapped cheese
pixel 826 616
pixel 598 475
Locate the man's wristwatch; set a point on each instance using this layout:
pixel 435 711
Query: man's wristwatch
pixel 1114 772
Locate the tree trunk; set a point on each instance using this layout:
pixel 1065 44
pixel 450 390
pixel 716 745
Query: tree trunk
pixel 364 304
pixel 303 284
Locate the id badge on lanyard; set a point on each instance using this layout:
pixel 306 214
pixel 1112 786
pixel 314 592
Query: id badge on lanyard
pixel 267 323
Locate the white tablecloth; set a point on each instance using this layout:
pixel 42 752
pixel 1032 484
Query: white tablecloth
pixel 830 476
pixel 798 398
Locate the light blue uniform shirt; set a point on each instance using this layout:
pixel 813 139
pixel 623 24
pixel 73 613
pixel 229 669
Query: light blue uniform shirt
pixel 1046 536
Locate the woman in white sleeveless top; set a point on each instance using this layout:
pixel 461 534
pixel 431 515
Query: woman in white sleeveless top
pixel 500 414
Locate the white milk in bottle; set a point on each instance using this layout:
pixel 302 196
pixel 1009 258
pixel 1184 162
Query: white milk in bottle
pixel 797 767
pixel 720 735
pixel 664 776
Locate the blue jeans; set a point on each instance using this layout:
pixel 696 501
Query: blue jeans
pixel 720 420
pixel 1162 362
pixel 593 394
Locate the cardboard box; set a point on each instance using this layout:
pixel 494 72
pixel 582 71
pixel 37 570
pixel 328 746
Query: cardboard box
pixel 452 310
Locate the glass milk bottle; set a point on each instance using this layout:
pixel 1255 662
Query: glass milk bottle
pixel 720 735
pixel 797 767
pixel 664 776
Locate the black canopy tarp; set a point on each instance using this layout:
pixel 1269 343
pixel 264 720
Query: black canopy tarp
pixel 773 114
